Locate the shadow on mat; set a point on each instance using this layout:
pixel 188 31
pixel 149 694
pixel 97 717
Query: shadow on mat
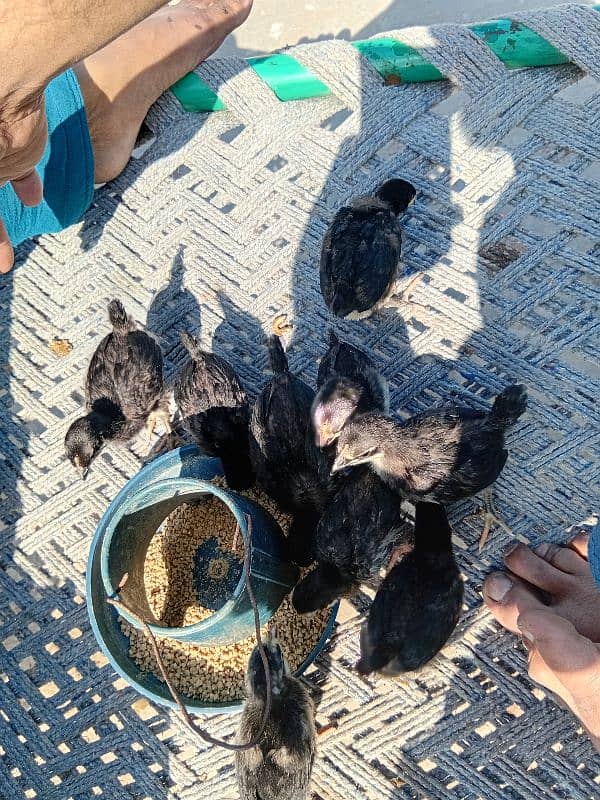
pixel 420 372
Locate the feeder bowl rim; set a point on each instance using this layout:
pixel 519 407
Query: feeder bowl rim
pixel 181 487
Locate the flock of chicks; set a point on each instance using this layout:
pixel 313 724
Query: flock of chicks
pixel 337 461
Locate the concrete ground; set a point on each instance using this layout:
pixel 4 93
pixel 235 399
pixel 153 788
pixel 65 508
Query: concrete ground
pixel 274 24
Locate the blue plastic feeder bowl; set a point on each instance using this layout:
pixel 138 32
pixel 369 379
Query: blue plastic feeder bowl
pixel 120 545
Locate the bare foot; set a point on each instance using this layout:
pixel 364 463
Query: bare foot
pixel 120 82
pixel 552 577
pixel 566 663
pixel 549 597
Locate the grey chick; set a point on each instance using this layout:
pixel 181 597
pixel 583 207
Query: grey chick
pixel 355 536
pixel 280 766
pixel 360 257
pixel 124 390
pixel 439 456
pixel 348 383
pixel 284 458
pixel 215 411
pixel 418 604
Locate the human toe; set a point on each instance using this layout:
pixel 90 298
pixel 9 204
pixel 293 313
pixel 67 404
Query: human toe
pixel 566 559
pixel 536 570
pixel 507 597
pixel 580 543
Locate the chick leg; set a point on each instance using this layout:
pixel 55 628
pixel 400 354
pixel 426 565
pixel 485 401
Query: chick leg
pixel 160 414
pixel 490 517
pixel 322 728
pixel 402 298
pixel 397 554
pixel 164 443
pixel 394 299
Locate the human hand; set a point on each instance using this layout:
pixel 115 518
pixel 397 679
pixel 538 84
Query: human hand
pixel 23 136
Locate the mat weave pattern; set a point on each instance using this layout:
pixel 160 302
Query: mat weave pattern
pixel 217 227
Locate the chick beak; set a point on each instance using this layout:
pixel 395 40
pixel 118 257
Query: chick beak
pixel 322 440
pixel 338 465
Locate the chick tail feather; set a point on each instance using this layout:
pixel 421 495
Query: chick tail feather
pixel 398 193
pixel 118 317
pixel 191 344
pixel 509 405
pixel 279 362
pixel 372 658
pixel 320 588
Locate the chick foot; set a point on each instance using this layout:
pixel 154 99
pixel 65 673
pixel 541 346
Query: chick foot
pixel 490 518
pixel 160 414
pixel 402 298
pixel 394 299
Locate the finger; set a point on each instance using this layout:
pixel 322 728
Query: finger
pixel 6 251
pixel 29 189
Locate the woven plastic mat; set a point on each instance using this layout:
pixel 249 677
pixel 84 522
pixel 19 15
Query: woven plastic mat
pixel 218 228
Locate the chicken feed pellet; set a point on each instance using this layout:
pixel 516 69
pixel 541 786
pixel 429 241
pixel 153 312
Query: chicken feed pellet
pixel 176 582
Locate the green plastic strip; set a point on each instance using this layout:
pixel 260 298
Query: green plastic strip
pixel 516 45
pixel 397 62
pixel 195 95
pixel 288 78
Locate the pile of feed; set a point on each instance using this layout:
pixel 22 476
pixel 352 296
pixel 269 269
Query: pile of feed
pixel 174 575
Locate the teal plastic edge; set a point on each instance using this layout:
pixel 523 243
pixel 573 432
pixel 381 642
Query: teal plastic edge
pixel 195 95
pixel 516 45
pixel 288 78
pixel 397 62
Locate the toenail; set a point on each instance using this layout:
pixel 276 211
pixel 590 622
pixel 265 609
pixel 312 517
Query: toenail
pixel 497 586
pixel 542 550
pixel 512 549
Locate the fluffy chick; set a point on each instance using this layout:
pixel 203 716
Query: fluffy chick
pixel 418 604
pixel 348 384
pixel 280 766
pixel 360 257
pixel 284 458
pixel 439 456
pixel 123 391
pixel 353 540
pixel 215 411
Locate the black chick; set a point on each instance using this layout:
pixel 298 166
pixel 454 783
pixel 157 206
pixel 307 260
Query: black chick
pixel 124 390
pixel 280 766
pixel 215 411
pixel 418 604
pixel 285 459
pixel 353 540
pixel 361 250
pixel 348 384
pixel 438 456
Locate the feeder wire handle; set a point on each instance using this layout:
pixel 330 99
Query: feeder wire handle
pixel 187 718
